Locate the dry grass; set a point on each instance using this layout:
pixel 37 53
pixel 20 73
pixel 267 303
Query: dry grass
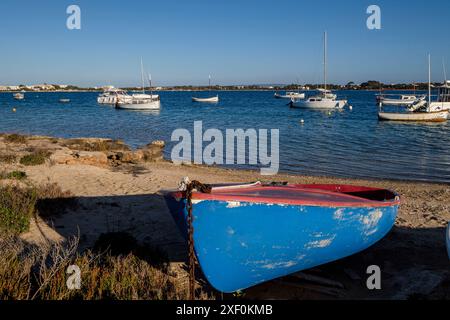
pixel 118 268
pixel 7 158
pixel 39 273
pixel 97 145
pixel 15 138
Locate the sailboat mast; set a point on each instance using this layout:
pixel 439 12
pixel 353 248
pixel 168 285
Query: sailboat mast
pixel 429 81
pixel 325 60
pixel 150 83
pixel 445 70
pixel 209 83
pixel 142 75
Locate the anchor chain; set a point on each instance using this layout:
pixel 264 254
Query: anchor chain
pixel 188 187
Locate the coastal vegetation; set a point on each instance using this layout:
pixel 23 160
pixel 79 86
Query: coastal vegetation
pixel 39 273
pixel 117 267
pixel 13 175
pixel 7 158
pixel 36 158
pixel 19 204
pixel 100 145
pixel 15 138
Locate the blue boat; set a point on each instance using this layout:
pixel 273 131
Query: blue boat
pixel 249 234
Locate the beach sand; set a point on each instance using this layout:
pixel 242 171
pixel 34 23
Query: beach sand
pixel 127 197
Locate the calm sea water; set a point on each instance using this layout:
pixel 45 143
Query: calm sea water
pixel 348 144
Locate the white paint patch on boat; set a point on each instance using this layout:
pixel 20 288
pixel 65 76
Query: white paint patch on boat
pixel 230 231
pixel 371 220
pixel 233 204
pixel 338 214
pixel 279 265
pixel 243 244
pixel 324 243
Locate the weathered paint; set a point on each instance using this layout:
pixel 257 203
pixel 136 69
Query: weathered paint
pixel 239 246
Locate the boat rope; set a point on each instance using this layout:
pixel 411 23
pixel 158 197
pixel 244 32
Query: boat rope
pixel 188 187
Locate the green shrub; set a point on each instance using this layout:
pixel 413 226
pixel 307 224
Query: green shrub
pixel 35 159
pixel 17 206
pixel 16 175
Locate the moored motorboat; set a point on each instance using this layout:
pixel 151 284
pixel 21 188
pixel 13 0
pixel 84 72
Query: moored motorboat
pixel 64 100
pixel 402 100
pixel 443 98
pixel 249 234
pixel 290 95
pixel 19 96
pixel 111 96
pixel 420 110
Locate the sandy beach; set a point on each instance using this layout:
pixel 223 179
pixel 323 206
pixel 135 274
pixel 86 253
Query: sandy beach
pixel 116 195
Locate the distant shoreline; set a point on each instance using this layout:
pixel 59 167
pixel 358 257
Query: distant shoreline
pixel 205 90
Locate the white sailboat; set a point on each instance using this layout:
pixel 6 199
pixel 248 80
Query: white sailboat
pixel 424 112
pixel 325 99
pixel 140 101
pixel 209 99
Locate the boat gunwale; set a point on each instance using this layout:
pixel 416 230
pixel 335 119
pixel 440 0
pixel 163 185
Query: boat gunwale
pixel 353 201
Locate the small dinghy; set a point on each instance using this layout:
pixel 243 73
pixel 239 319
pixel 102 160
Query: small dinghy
pixel 64 100
pixel 245 235
pixel 210 100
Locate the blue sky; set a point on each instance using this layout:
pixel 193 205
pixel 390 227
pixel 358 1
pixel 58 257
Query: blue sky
pixel 237 41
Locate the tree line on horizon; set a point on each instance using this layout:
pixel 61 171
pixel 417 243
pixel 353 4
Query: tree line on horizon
pixel 368 85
